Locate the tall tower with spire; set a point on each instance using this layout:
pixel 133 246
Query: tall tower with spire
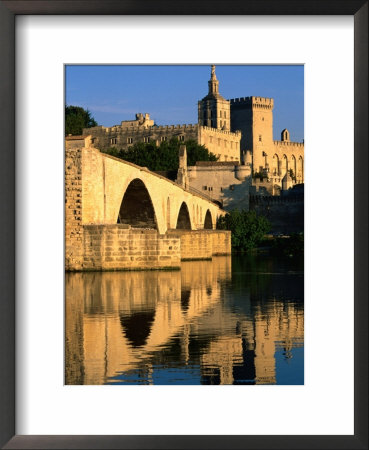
pixel 214 110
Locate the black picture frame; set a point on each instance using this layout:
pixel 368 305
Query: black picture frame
pixel 8 11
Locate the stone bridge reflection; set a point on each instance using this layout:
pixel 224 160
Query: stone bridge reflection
pixel 122 324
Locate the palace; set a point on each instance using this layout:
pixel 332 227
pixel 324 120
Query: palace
pixel 238 130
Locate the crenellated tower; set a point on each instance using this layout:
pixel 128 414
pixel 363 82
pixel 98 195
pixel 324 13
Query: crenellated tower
pixel 214 110
pixel 253 116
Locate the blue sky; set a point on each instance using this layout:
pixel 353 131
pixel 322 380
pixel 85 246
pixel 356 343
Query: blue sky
pixel 170 93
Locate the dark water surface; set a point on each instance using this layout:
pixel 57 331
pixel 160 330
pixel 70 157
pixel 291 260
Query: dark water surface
pixel 236 320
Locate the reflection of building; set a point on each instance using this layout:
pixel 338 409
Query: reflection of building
pixel 130 322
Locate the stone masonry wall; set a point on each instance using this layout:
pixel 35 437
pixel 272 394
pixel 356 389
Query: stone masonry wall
pixel 221 242
pixel 123 137
pixel 286 214
pixel 120 247
pixel 203 244
pixel 195 244
pixel 224 144
pixel 224 182
pixel 73 209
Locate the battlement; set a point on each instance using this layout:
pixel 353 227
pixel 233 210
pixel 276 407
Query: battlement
pixel 289 144
pixel 137 130
pixel 216 163
pixel 176 127
pixel 218 131
pixel 249 102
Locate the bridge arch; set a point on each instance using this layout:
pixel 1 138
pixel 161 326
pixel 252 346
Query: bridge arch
pixel 208 222
pixel 136 208
pixel 183 220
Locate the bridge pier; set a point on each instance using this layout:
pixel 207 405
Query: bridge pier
pixel 121 247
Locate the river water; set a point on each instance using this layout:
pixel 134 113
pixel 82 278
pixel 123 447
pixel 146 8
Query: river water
pixel 232 320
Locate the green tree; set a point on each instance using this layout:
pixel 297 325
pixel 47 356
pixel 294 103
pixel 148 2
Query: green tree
pixel 289 246
pixel 77 118
pixel 162 157
pixel 248 229
pixel 197 152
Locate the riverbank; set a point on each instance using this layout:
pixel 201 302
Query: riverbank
pixel 282 245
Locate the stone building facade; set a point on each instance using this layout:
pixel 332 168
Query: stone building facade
pixel 253 116
pixel 238 130
pixel 225 182
pixel 223 143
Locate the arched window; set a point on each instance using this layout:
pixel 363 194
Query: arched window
pixel 275 165
pixel 284 165
pixel 293 166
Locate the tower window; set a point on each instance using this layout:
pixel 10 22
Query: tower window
pixel 129 140
pixel 146 139
pixel 224 115
pixel 113 140
pixel 181 138
pixel 259 137
pixel 163 138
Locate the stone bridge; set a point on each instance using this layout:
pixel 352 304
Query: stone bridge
pixel 104 190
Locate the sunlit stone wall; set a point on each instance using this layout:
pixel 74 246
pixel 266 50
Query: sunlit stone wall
pixel 73 206
pixel 221 242
pixel 120 247
pixel 114 247
pixel 203 244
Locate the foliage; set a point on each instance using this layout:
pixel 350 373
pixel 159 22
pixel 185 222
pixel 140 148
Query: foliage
pixel 197 152
pixel 77 118
pixel 162 157
pixel 248 229
pixel 289 246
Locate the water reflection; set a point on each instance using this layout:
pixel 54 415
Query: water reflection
pixel 224 321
